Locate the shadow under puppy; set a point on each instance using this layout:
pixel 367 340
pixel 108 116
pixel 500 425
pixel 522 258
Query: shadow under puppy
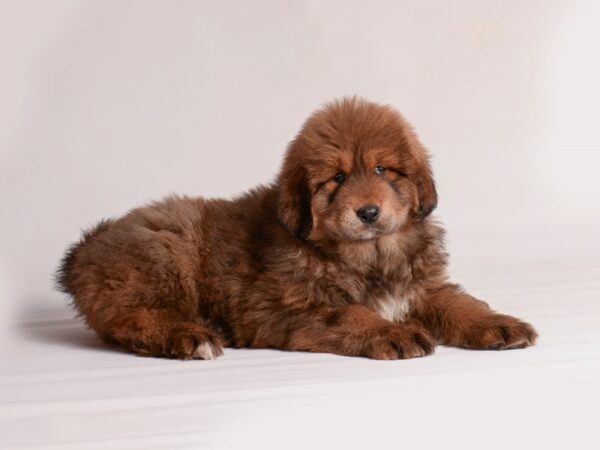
pixel 338 255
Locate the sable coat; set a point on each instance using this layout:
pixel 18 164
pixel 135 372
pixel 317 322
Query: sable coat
pixel 338 255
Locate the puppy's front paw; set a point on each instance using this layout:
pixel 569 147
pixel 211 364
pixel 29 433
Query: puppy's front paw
pixel 499 332
pixel 400 341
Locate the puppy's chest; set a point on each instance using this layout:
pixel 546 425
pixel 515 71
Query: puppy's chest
pixel 394 304
pixel 382 281
pixel 393 308
pixel 391 290
pixel 392 296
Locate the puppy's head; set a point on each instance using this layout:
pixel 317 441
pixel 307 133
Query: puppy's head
pixel 355 171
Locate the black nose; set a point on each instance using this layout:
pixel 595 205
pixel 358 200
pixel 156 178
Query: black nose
pixel 368 214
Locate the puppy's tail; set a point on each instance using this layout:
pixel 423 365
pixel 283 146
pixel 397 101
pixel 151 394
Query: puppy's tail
pixel 64 275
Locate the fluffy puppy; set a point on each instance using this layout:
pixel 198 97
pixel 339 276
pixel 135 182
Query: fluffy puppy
pixel 338 255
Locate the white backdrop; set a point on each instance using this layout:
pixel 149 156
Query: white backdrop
pixel 106 105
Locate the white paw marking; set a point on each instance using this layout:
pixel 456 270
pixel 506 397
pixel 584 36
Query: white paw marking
pixel 205 351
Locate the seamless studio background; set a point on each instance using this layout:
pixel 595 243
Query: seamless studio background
pixel 107 105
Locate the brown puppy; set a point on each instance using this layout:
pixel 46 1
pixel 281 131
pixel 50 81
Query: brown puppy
pixel 338 255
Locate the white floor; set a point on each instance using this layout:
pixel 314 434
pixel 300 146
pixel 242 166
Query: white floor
pixel 61 388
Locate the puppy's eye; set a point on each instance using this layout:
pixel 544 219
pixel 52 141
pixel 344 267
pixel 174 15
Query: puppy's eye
pixel 379 170
pixel 339 177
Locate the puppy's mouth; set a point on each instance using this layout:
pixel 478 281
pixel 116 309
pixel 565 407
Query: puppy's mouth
pixel 373 232
pixel 350 229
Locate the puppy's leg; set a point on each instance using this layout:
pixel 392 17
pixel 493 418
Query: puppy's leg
pixel 351 331
pixel 455 318
pixel 159 332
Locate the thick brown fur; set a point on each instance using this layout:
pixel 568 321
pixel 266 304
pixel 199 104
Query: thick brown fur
pixel 294 265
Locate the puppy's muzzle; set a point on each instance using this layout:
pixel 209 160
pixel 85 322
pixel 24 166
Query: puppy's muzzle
pixel 368 214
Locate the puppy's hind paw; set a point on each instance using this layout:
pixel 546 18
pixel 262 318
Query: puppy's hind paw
pixel 207 350
pixel 194 342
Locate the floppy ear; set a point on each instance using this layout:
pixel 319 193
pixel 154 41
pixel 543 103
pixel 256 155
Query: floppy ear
pixel 425 190
pixel 421 175
pixel 294 203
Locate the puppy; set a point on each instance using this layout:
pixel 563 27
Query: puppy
pixel 338 255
